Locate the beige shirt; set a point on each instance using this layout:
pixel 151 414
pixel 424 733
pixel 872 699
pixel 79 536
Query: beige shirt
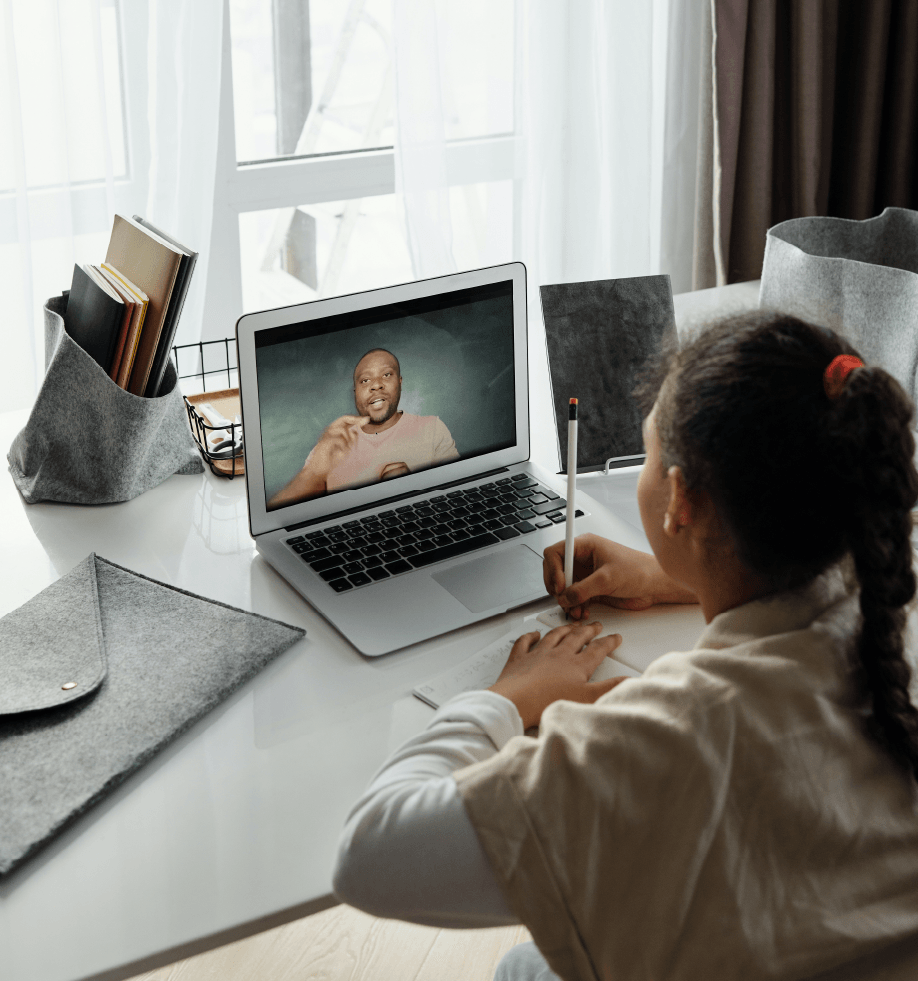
pixel 417 441
pixel 721 817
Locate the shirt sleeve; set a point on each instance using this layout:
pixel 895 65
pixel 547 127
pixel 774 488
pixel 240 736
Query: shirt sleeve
pixel 408 850
pixel 444 444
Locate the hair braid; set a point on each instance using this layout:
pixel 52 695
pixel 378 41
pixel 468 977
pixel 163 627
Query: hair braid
pixel 875 415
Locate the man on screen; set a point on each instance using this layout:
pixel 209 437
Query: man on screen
pixel 378 443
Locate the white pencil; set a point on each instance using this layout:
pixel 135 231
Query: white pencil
pixel 571 488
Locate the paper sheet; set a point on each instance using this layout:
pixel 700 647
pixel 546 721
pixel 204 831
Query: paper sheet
pixel 646 635
pixel 482 669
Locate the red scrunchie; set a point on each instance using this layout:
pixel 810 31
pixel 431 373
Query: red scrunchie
pixel 837 373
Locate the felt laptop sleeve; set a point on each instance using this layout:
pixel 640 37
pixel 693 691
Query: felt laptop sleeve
pixel 100 671
pixel 87 441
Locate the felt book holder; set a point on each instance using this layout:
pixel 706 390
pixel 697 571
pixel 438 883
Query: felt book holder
pixel 87 441
pixel 100 671
pixel 599 335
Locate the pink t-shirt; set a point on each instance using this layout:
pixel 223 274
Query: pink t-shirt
pixel 416 441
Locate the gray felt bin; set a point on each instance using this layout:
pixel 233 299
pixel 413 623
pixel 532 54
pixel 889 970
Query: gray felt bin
pixel 858 277
pixel 87 441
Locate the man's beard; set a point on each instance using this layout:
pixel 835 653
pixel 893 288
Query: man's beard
pixel 391 409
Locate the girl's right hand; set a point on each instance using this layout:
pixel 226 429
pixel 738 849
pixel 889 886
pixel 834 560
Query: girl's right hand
pixel 609 573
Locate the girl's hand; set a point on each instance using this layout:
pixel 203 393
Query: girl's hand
pixel 540 670
pixel 609 573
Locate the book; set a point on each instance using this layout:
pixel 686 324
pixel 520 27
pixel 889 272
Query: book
pixel 182 282
pixel 481 670
pixel 130 306
pixel 94 273
pixel 112 291
pixel 153 265
pixel 94 316
pixel 141 299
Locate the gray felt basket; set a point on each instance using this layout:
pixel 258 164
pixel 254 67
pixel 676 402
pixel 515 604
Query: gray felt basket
pixel 858 277
pixel 87 441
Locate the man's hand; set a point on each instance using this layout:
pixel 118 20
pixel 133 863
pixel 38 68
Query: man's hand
pixel 609 573
pixel 334 444
pixel 541 670
pixel 393 470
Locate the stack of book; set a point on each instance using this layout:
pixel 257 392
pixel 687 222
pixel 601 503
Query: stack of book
pixel 124 312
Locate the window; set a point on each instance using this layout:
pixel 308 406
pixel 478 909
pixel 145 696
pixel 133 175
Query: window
pixel 269 147
pixel 306 206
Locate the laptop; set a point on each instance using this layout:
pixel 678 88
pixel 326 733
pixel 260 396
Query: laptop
pixel 387 455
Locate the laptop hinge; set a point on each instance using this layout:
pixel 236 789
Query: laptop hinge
pixel 392 500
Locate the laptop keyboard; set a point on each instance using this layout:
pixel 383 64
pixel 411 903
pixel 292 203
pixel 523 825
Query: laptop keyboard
pixel 379 546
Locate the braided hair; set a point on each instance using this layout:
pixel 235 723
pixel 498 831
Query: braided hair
pixel 800 480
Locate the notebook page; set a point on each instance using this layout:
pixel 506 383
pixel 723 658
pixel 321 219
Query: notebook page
pixel 646 635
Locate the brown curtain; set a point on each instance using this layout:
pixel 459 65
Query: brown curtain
pixel 815 112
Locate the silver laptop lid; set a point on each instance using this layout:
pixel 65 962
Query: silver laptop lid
pixel 458 344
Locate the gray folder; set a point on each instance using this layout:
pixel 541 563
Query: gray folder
pixel 599 336
pixel 97 673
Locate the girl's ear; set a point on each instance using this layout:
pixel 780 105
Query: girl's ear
pixel 679 509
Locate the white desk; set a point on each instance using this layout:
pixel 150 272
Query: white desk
pixel 232 829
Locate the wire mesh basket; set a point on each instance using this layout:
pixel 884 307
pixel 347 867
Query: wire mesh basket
pixel 214 414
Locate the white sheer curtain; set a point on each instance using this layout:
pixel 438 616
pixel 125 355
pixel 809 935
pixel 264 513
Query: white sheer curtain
pixel 104 107
pixel 110 105
pixel 421 81
pixel 606 107
pixel 185 43
pixel 605 136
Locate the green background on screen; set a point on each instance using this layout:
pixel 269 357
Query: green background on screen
pixel 455 363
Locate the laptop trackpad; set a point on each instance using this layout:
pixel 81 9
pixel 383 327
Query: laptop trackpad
pixel 492 581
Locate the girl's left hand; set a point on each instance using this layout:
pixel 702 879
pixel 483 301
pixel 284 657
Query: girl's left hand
pixel 541 670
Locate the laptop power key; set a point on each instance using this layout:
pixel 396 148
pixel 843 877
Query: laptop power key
pixel 453 549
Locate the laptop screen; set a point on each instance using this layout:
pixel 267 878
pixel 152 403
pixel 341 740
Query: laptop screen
pixel 357 398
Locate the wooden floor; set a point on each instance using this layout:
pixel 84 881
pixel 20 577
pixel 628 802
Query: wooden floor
pixel 343 944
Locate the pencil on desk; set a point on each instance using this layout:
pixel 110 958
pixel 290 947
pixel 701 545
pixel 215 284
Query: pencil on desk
pixel 571 488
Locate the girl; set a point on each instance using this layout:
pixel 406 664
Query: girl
pixel 747 809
